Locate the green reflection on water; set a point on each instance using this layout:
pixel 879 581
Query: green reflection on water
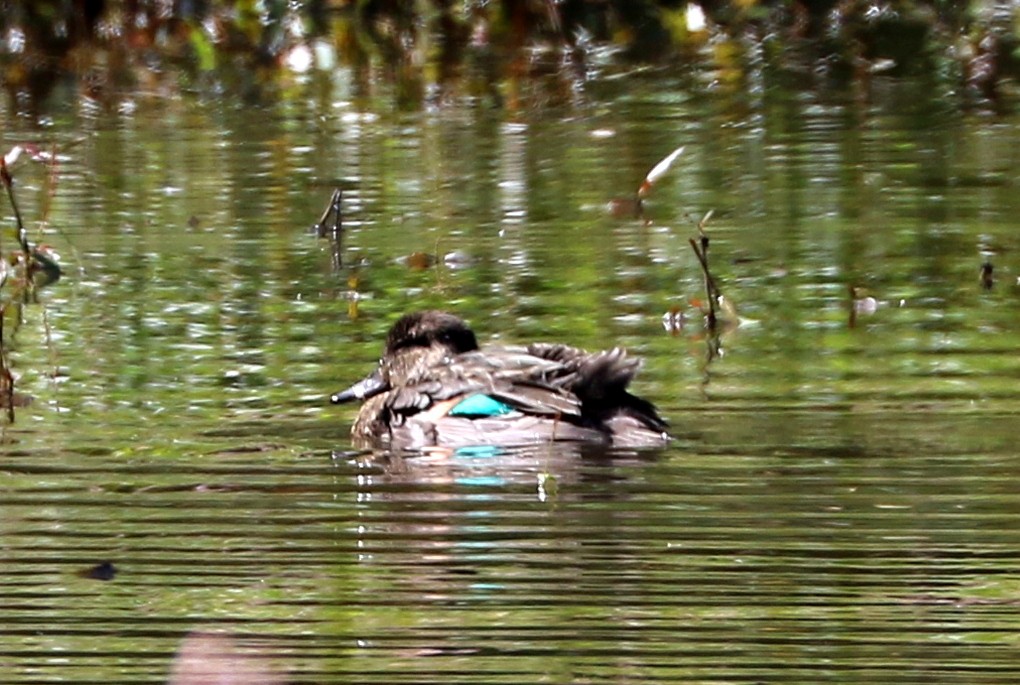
pixel 839 503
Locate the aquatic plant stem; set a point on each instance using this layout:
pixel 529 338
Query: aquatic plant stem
pixel 711 290
pixel 5 176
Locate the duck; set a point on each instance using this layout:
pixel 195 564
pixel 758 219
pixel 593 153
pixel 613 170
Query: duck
pixel 434 387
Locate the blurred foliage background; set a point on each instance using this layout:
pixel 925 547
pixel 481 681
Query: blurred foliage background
pixel 505 53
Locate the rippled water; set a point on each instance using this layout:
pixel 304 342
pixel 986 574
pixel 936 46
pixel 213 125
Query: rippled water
pixel 839 505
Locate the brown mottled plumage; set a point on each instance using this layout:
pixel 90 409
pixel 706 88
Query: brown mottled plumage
pixel 546 392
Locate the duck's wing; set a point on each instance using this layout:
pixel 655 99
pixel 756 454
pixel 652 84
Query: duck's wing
pixel 590 375
pixel 509 376
pixel 514 376
pixel 537 399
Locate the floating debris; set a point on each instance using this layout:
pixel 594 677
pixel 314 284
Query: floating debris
pixel 861 304
pixel 104 570
pixel 658 171
pixel 418 261
pixel 633 207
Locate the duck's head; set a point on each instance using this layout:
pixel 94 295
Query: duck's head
pixel 415 343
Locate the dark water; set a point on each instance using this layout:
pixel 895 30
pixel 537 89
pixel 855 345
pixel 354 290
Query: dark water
pixel 840 502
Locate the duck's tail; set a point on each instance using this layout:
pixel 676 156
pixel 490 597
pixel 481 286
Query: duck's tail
pixel 600 380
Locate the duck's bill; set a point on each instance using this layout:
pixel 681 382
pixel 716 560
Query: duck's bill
pixel 369 386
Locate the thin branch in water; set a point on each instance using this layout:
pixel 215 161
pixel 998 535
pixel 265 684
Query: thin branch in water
pixel 701 231
pixel 710 288
pixel 33 258
pixel 334 231
pixel 987 275
pixel 712 291
pixel 6 377
pixel 322 227
pixel 8 181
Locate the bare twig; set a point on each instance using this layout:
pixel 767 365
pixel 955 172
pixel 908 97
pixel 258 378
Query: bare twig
pixel 5 177
pixel 987 275
pixel 23 268
pixel 712 291
pixel 34 258
pixel 6 377
pixel 334 231
pixel 333 209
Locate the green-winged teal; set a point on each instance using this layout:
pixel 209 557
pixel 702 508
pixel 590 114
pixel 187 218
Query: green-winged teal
pixel 434 387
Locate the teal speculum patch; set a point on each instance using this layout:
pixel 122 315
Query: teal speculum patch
pixel 480 406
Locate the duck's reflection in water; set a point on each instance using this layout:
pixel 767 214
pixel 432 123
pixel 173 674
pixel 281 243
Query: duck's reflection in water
pixel 457 527
pixel 588 466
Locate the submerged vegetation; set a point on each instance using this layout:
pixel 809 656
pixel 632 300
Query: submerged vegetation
pixel 511 53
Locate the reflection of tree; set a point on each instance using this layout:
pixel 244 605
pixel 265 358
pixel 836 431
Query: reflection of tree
pixel 714 349
pixel 517 53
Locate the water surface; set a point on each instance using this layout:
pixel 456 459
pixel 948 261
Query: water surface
pixel 838 505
